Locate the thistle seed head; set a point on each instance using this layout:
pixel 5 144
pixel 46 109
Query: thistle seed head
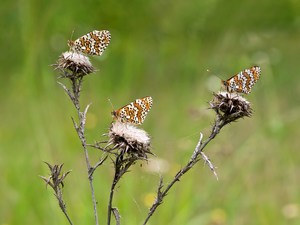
pixel 74 65
pixel 230 106
pixel 129 139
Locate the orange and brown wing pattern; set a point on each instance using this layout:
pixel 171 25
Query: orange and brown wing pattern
pixel 93 43
pixel 243 81
pixel 135 112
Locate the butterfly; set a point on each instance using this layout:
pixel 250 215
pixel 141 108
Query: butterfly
pixel 135 112
pixel 243 81
pixel 93 43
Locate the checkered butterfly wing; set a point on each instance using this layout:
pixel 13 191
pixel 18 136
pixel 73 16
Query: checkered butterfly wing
pixel 93 43
pixel 135 112
pixel 243 81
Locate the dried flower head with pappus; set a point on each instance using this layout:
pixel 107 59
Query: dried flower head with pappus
pixel 129 139
pixel 230 106
pixel 73 64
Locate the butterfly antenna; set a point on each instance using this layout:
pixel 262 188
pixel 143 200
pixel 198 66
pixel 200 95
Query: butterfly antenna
pixel 70 42
pixel 112 106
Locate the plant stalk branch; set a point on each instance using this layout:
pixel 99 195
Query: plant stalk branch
pixel 80 129
pixel 161 194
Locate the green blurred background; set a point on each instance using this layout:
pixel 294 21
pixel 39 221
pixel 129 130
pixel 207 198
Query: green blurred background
pixel 173 51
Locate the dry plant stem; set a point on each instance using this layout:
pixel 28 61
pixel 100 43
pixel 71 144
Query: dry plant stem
pixel 117 216
pixel 99 163
pixel 62 205
pixel 111 196
pixel 80 129
pixel 219 123
pixel 121 167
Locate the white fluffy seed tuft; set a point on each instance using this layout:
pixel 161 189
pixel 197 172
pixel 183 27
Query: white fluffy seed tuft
pixel 130 132
pixel 76 58
pixel 77 64
pixel 129 139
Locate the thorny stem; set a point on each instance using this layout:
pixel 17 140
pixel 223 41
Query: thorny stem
pixel 62 205
pixel 58 195
pixel 76 88
pixel 80 129
pixel 121 167
pixel 117 216
pixel 219 123
pixel 99 163
pixel 68 218
pixel 111 196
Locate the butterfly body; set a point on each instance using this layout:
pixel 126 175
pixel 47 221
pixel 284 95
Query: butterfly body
pixel 93 43
pixel 243 81
pixel 135 112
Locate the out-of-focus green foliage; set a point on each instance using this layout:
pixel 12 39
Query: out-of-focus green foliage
pixel 173 51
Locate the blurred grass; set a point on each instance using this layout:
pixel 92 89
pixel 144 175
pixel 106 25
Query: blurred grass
pixel 162 49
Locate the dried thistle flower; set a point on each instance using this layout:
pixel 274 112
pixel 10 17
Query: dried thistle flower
pixel 230 106
pixel 55 180
pixel 131 144
pixel 129 139
pixel 74 65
